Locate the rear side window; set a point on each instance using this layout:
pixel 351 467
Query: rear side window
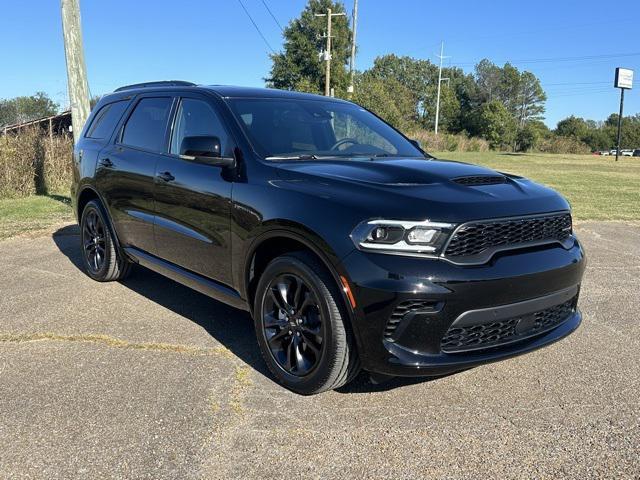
pixel 106 120
pixel 147 124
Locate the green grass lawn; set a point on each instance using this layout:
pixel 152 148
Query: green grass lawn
pixel 599 188
pixel 39 212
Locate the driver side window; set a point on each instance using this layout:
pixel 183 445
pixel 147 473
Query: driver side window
pixel 197 118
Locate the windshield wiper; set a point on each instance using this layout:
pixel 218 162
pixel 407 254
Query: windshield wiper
pixel 310 156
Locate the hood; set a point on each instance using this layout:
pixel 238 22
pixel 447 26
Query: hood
pixel 420 188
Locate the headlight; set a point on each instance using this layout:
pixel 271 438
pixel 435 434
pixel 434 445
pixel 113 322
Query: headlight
pixel 401 236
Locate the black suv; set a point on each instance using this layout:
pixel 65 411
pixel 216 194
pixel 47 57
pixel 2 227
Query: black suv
pixel 350 246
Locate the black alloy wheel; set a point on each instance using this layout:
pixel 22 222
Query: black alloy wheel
pixel 293 325
pixel 93 241
pixel 102 259
pixel 302 325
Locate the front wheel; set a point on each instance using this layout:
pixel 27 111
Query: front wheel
pixel 302 327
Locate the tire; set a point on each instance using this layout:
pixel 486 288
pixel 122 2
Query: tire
pixel 101 258
pixel 309 348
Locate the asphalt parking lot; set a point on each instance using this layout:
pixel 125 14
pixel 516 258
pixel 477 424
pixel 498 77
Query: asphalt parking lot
pixel 148 379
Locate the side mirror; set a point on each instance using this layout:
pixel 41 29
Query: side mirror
pixel 206 150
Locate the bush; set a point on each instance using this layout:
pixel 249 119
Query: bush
pixel 31 163
pixel 447 142
pixel 557 144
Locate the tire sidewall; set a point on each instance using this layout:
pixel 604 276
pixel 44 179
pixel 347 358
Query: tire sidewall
pixel 318 376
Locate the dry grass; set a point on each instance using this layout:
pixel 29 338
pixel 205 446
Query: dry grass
pixel 19 159
pixel 31 162
pixel 58 164
pixel 446 142
pixel 113 342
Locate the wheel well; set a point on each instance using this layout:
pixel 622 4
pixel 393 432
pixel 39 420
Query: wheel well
pixel 267 251
pixel 85 197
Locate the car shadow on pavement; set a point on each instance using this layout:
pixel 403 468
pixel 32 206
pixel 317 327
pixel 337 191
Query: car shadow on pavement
pixel 231 327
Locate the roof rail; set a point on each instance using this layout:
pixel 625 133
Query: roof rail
pixel 167 83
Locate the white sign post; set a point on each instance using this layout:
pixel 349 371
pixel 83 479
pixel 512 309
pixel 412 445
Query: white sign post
pixel 623 81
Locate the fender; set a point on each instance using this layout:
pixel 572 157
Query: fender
pixel 319 247
pixel 110 226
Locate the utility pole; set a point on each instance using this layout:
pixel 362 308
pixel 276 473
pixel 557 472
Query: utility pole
pixel 352 63
pixel 76 68
pixel 440 79
pixel 327 53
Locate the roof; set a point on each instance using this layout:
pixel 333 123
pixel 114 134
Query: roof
pixel 225 91
pixel 229 91
pixel 60 116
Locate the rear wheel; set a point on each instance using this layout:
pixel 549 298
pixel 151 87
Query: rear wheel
pixel 301 325
pixel 102 260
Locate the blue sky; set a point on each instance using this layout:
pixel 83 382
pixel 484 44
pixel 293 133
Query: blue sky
pixel 573 46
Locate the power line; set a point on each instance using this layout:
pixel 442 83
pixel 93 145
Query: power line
pixel 272 16
pixel 563 59
pixel 576 83
pixel 256 26
pixel 556 29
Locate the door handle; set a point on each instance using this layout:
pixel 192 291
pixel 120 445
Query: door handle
pixel 166 176
pixel 105 162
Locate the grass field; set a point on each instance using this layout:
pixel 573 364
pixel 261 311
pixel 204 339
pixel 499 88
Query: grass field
pixel 31 214
pixel 599 188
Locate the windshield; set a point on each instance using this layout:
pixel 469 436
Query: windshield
pixel 302 129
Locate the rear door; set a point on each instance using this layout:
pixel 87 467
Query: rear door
pixel 126 170
pixel 192 200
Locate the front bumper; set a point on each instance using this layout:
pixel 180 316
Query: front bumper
pixel 517 282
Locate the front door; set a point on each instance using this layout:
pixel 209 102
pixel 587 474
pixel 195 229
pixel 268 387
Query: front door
pixel 192 200
pixel 126 171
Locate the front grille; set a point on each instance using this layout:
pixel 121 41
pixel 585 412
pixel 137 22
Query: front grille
pixel 403 309
pixel 495 333
pixel 479 180
pixel 474 238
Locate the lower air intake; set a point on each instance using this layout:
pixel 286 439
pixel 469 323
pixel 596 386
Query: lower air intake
pixel 495 333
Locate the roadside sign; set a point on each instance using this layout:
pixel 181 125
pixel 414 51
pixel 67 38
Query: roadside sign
pixel 623 81
pixel 624 78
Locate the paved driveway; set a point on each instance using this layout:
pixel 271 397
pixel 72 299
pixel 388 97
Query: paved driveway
pixel 148 379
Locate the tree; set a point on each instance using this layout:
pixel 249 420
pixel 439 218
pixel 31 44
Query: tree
pixel 531 97
pixel 520 92
pixel 8 112
pixel 572 127
pixel 601 135
pixel 530 136
pixel 417 76
pixel 420 77
pixel 388 99
pixel 496 124
pixel 24 109
pixel 299 66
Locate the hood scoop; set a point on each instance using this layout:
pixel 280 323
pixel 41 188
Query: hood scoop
pixel 480 180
